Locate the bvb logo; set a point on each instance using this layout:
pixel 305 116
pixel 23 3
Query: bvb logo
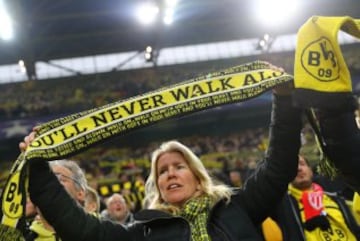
pixel 319 60
pixel 333 234
pixel 11 199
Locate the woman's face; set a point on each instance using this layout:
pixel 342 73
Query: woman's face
pixel 176 182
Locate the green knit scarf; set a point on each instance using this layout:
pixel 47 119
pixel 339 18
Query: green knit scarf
pixel 196 212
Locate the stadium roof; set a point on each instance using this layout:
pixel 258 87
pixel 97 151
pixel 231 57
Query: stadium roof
pixel 48 29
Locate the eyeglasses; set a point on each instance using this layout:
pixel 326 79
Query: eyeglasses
pixel 64 178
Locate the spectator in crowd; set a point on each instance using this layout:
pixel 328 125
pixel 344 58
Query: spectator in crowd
pixel 235 178
pixel 130 198
pixel 308 212
pixel 92 201
pixel 72 178
pixel 181 195
pixel 242 168
pixel 117 210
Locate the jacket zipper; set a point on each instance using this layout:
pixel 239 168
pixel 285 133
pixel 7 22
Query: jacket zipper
pixel 296 215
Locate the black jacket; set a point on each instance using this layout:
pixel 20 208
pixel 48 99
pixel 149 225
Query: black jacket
pixel 234 221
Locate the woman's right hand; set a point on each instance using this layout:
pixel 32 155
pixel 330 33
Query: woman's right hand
pixel 284 88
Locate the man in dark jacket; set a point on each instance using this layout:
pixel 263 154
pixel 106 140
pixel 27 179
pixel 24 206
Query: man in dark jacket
pixel 308 212
pixel 299 216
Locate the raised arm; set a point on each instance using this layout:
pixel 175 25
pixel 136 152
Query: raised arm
pixel 269 183
pixel 69 220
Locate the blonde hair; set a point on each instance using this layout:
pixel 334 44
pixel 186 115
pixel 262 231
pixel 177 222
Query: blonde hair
pixel 153 197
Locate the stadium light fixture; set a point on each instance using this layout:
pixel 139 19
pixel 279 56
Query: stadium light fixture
pixel 168 16
pixel 22 67
pixel 275 13
pixel 171 3
pixel 6 26
pixel 169 10
pixel 265 43
pixel 148 54
pixel 147 12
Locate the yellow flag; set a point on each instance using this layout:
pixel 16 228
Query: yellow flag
pixel 321 76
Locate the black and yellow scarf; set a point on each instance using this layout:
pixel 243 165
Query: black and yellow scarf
pixel 322 78
pixel 196 212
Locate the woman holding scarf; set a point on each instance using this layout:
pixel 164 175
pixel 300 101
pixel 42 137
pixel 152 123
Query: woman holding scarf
pixel 183 203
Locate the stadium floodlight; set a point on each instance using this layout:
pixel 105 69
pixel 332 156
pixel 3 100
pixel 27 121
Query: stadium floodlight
pixel 265 43
pixel 22 67
pixel 147 12
pixel 171 3
pixel 168 16
pixel 169 10
pixel 6 26
pixel 275 13
pixel 149 54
